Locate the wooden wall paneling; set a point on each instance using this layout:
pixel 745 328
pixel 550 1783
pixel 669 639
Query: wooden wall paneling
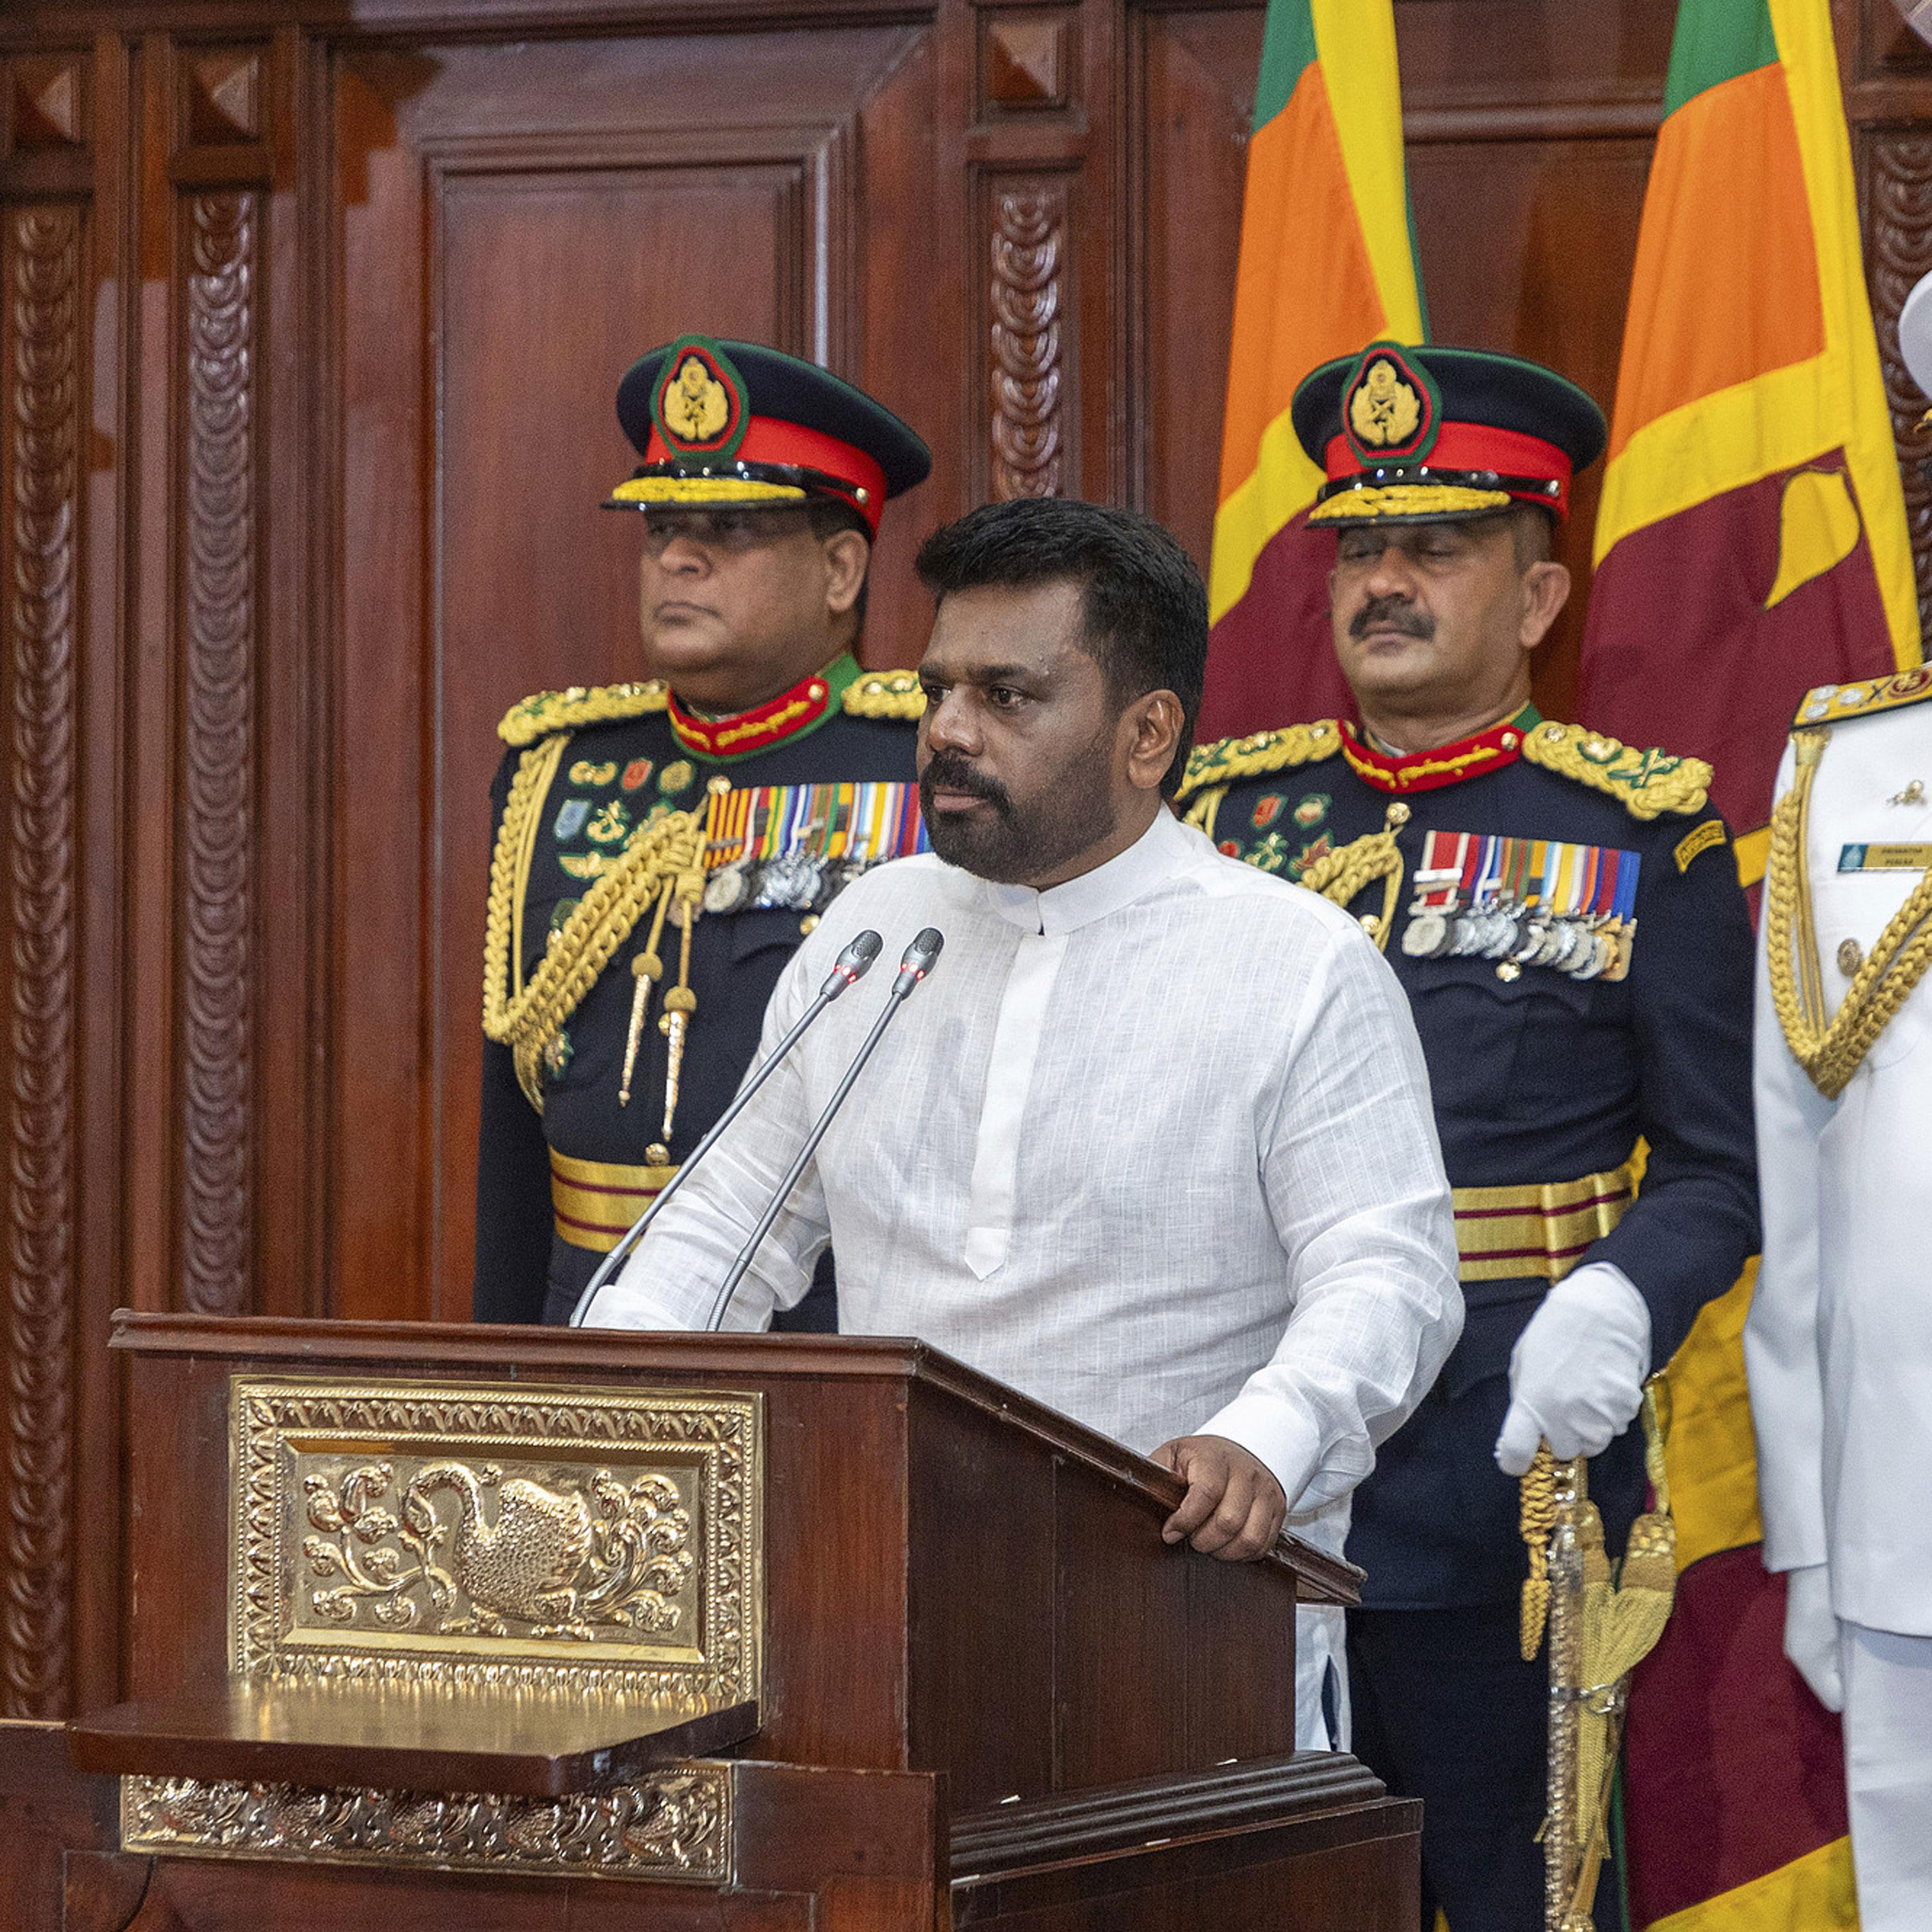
pixel 1191 80
pixel 293 906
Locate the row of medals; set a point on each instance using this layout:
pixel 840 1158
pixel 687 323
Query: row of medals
pixel 792 882
pixel 1583 946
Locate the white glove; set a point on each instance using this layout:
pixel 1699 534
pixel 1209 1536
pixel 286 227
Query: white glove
pixel 1811 1633
pixel 1576 1372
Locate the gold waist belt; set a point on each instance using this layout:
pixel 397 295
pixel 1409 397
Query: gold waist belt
pixel 596 1200
pixel 1504 1234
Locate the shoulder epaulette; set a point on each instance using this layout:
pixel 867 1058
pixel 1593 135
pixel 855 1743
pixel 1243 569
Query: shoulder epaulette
pixel 1646 784
pixel 1228 760
pixel 896 694
pixel 1831 703
pixel 570 709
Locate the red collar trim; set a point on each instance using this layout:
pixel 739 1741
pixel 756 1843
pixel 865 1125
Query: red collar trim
pixel 1488 751
pixel 788 714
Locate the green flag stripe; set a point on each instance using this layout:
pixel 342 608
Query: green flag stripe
pixel 1288 47
pixel 1716 41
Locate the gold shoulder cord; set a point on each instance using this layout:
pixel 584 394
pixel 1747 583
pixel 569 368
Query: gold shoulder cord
pixel 1831 1053
pixel 1340 875
pixel 662 861
pixel 1205 809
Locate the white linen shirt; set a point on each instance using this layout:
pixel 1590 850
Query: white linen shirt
pixel 1154 1147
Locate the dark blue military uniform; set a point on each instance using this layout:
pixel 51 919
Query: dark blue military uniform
pixel 1565 914
pixel 555 1186
pixel 1540 1079
pixel 654 869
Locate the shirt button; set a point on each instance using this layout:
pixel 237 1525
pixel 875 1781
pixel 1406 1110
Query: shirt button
pixel 1851 957
pixel 809 925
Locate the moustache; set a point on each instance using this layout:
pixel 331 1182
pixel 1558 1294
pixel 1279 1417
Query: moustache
pixel 1391 613
pixel 946 771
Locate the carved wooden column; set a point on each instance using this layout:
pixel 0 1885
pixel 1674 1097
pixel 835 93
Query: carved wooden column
pixel 1038 152
pixel 221 164
pixel 1029 223
pixel 1887 70
pixel 43 368
pixel 1898 164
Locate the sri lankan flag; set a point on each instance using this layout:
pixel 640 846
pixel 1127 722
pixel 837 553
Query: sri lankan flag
pixel 1750 543
pixel 1750 537
pixel 1327 264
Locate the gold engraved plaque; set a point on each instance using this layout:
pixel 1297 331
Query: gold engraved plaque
pixel 584 1539
pixel 673 1824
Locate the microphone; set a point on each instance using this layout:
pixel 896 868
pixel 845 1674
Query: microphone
pixel 915 963
pixel 848 969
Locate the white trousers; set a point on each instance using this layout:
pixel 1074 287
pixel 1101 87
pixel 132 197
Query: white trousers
pixel 1888 1775
pixel 1320 1678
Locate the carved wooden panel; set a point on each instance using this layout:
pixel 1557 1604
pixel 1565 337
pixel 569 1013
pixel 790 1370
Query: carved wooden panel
pixel 1025 340
pixel 44 366
pixel 1898 252
pixel 218 649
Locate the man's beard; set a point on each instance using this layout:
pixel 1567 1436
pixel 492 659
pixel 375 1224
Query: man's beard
pixel 1009 844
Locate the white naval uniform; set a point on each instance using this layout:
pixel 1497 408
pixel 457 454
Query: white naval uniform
pixel 1838 1345
pixel 1154 1147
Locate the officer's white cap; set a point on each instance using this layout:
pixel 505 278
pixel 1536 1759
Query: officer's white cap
pixel 1914 334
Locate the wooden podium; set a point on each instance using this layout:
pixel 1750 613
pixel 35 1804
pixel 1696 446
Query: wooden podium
pixel 456 1627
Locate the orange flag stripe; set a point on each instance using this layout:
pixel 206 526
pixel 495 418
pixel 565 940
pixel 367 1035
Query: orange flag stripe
pixel 1737 243
pixel 1300 230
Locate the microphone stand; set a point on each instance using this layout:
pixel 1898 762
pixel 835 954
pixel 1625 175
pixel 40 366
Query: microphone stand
pixel 913 967
pixel 850 966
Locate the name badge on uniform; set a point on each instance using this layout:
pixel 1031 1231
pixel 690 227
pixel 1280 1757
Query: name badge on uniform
pixel 1525 902
pixel 1884 858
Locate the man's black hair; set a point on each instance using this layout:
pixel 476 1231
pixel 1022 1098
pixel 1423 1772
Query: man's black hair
pixel 1146 609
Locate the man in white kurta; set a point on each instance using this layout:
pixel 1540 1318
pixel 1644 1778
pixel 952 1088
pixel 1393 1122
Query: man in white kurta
pixel 1839 1341
pixel 1152 1144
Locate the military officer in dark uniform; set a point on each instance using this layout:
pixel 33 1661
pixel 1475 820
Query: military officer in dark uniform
pixel 662 847
pixel 1564 913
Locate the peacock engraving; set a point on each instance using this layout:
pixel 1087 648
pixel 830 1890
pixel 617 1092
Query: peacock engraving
pixel 525 1563
pixel 510 1555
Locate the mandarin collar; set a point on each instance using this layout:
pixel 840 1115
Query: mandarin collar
pixel 1160 853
